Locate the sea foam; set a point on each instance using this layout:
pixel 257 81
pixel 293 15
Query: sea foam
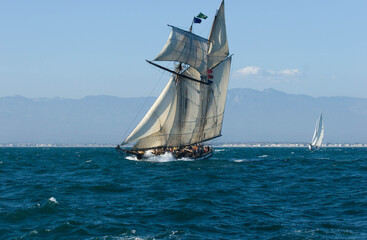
pixel 150 157
pixel 53 200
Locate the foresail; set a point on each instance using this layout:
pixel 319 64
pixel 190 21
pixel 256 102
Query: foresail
pixel 157 115
pixel 185 47
pixel 218 43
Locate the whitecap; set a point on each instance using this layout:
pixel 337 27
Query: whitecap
pixel 34 232
pixel 240 160
pixel 132 158
pixel 53 200
pixel 185 159
pixel 263 156
pixel 173 233
pixel 245 160
pixel 88 161
pixel 219 150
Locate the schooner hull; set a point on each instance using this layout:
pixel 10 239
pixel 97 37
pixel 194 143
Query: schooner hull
pixel 140 155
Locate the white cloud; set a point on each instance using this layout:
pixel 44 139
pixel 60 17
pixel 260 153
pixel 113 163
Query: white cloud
pixel 289 72
pixel 257 73
pixel 250 70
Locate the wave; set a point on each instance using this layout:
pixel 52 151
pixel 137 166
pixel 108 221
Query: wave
pixel 219 150
pixel 52 200
pixel 150 157
pixel 246 160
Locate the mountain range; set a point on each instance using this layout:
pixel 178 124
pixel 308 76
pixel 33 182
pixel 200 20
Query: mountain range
pixel 250 116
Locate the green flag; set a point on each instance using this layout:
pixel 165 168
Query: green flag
pixel 202 15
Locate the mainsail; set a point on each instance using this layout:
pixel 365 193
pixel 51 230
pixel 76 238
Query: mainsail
pixel 319 133
pixel 187 111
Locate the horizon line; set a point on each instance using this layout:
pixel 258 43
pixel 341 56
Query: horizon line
pixel 104 95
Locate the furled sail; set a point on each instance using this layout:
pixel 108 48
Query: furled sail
pixel 185 47
pixel 319 133
pixel 218 43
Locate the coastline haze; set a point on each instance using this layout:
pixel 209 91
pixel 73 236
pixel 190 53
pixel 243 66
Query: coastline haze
pixel 250 116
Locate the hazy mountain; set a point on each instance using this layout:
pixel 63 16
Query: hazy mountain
pixel 251 116
pixel 270 115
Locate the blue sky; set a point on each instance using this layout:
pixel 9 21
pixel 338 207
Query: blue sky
pixel 74 49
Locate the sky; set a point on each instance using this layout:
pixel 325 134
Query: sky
pixel 73 49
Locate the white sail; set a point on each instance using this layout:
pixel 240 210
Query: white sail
pixel 183 115
pixel 319 133
pixel 217 101
pixel 157 115
pixel 198 112
pixel 218 43
pixel 185 47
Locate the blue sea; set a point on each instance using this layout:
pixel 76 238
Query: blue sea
pixel 239 193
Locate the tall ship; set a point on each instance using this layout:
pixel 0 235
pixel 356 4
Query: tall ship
pixel 318 135
pixel 190 109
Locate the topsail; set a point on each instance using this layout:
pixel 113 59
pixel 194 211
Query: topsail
pixel 185 47
pixel 218 47
pixel 187 111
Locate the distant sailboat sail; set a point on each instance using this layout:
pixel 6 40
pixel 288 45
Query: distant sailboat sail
pixel 318 134
pixel 191 107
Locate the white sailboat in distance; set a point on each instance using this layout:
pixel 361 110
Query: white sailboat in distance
pixel 190 109
pixel 318 134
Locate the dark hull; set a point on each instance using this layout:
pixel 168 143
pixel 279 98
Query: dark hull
pixel 313 148
pixel 195 156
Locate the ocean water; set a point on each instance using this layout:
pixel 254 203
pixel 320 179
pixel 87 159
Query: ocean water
pixel 239 193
